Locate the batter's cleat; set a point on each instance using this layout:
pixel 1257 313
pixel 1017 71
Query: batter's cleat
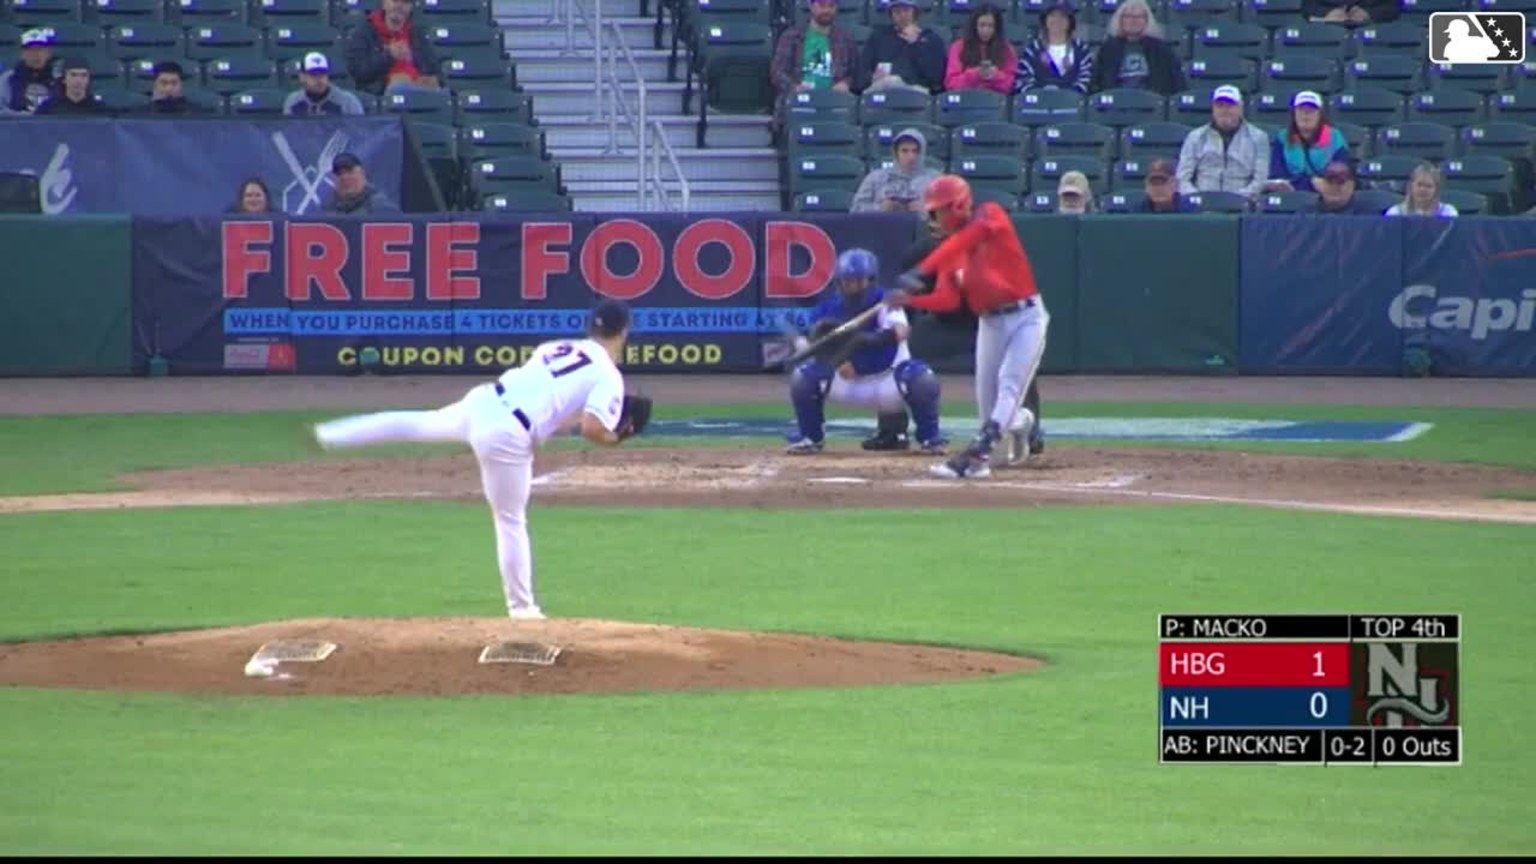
pixel 803 447
pixel 1016 447
pixel 887 441
pixel 936 447
pixel 526 613
pixel 963 467
pixel 1037 444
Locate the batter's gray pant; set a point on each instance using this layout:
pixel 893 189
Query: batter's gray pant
pixel 1008 351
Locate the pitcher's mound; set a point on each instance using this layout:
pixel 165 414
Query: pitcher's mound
pixel 441 656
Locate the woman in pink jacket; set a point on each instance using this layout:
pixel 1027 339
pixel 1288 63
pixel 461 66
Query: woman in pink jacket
pixel 982 59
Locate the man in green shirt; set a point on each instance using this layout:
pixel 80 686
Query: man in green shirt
pixel 816 55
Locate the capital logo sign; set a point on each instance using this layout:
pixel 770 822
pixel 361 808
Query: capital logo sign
pixel 57 183
pixel 1398 692
pixel 1469 38
pixel 303 193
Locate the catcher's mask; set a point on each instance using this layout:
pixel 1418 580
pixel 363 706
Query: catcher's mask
pixel 856 269
pixel 947 204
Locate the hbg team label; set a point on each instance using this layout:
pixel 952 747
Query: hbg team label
pixel 1309 689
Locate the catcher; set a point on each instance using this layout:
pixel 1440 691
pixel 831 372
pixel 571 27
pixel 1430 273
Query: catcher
pixel 563 384
pixel 870 367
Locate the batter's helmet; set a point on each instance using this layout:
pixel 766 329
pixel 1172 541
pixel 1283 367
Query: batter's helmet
pixel 948 199
pixel 857 264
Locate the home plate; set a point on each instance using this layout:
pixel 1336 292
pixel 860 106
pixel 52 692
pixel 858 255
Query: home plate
pixel 531 653
pixel 837 480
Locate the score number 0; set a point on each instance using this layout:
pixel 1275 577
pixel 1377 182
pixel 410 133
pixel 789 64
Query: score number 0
pixel 1317 706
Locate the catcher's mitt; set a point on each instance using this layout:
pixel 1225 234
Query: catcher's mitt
pixel 634 416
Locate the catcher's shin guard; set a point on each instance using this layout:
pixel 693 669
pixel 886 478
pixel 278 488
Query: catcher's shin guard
pixel 808 386
pixel 920 388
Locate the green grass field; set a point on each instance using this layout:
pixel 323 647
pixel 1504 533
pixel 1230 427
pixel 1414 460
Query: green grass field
pixel 1060 761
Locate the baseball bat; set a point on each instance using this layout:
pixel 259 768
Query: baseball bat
pixel 841 330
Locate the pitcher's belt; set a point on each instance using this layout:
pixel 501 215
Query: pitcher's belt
pixel 516 412
pixel 1009 308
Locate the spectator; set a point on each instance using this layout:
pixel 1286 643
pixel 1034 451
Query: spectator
pixel 1352 11
pixel 1423 196
pixel 982 58
pixel 354 195
pixel 1336 192
pixel 168 93
pixel 817 55
pixel 1309 142
pixel 1056 58
pixel 901 186
pixel 316 95
pixel 903 54
pixel 1073 194
pixel 75 96
pixel 254 198
pixel 1228 154
pixel 1135 55
pixel 388 51
pixel 30 82
pixel 1162 191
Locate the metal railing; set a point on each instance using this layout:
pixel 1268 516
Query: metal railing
pixel 650 135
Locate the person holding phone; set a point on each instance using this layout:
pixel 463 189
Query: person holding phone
pixel 905 54
pixel 983 58
pixel 900 187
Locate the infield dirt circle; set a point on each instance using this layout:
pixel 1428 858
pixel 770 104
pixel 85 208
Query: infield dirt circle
pixel 440 656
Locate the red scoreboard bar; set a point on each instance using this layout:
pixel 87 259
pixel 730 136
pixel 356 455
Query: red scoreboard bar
pixel 1309 689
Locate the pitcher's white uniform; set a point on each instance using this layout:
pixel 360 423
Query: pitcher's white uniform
pixel 504 422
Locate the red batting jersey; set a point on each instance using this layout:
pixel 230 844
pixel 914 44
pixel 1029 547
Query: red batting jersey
pixel 990 262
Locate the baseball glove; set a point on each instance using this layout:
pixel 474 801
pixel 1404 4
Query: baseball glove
pixel 634 416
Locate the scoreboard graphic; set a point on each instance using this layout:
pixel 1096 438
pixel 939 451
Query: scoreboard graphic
pixel 1309 689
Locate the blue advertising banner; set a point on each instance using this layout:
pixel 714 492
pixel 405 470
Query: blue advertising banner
pixel 1468 302
pixel 477 294
pixel 1315 294
pixel 157 167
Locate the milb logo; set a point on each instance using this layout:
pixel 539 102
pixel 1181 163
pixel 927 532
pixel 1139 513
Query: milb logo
pixel 1466 38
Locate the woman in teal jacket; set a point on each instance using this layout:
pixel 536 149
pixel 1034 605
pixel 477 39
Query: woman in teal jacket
pixel 1309 142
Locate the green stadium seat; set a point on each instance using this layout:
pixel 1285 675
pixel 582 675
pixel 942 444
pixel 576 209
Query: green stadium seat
pixel 1282 203
pixel 38 13
pixel 997 195
pixel 888 162
pixel 1377 200
pixel 1361 139
pixel 1431 141
pixel 1272 14
pixel 1122 107
pixel 1270 110
pixel 207 41
pixel 1491 176
pixel 285 13
pixel 879 138
pixel 1512 141
pixel 112 13
pixel 1152 140
pixel 434 11
pixel 465 38
pixel 1189 108
pixel 894 107
pixel 959 107
pixel 120 100
pixel 1516 107
pixel 439 146
pixel 1417 12
pixel 1181 15
pixel 824 172
pixel 346 14
pixel 513 175
pixel 1478 78
pixel 429 106
pixel 1452 107
pixel 229 75
pixel 526 201
pixel 1046 173
pixel 1390 171
pixel 1127 201
pixel 196 13
pixel 1466 203
pixel 470 73
pixel 1039 201
pixel 1392 37
pixel 72 37
pixel 1128 175
pixel 1524 6
pixel 150 39
pixel 1208 74
pixel 1367 106
pixel 1242 40
pixel 1044 107
pixel 991 139
pixel 204 101
pixel 823 201
pixel 1220 202
pixel 1007 173
pixel 10 38
pixel 106 71
pixel 1397 72
pixel 494 140
pixel 259 102
pixel 824 138
pixel 493 106
pixel 1301 72
pixel 823 105
pixel 730 63
pixel 291 40
pixel 1311 38
pixel 1077 139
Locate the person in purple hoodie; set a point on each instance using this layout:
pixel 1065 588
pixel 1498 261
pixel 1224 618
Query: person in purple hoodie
pixel 1300 151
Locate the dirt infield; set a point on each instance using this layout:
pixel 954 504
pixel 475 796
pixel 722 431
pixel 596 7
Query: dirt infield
pixel 439 656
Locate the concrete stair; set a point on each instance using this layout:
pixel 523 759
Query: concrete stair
pixel 737 169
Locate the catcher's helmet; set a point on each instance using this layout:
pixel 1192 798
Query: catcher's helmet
pixel 857 264
pixel 948 201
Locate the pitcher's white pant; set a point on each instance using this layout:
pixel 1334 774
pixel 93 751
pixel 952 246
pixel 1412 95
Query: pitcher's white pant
pixel 1008 352
pixel 504 450
pixel 868 391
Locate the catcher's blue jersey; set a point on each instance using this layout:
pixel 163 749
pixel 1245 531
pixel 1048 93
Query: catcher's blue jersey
pixel 871 360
